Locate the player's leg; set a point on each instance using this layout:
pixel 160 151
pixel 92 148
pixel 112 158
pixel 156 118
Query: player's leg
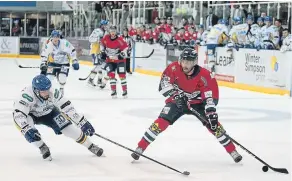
pixel 122 74
pixel 102 75
pixel 62 76
pixel 60 123
pixel 169 114
pixel 111 69
pixel 94 70
pixel 211 48
pixel 52 72
pixel 220 134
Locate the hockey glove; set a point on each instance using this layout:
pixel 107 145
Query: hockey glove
pixel 43 68
pixel 121 56
pixel 31 134
pixel 180 101
pixel 212 120
pixel 102 55
pixel 86 127
pixel 75 64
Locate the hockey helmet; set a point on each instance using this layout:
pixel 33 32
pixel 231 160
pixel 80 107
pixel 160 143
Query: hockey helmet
pixel 188 59
pixel 188 54
pixel 55 33
pixel 268 19
pixel 41 86
pixel 237 20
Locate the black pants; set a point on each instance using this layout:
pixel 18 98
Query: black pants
pixel 128 65
pixel 172 113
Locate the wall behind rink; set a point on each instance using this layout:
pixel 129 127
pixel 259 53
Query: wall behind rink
pixel 265 71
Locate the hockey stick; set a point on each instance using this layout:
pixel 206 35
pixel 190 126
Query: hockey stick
pixel 85 77
pixel 20 66
pixel 146 56
pixel 280 170
pixel 129 149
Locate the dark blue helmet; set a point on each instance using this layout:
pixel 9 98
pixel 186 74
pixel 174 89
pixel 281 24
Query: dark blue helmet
pixel 41 83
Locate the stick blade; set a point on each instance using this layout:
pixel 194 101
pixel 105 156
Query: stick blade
pixel 186 173
pixel 280 170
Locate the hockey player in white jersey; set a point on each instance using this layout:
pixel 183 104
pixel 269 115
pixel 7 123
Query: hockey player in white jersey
pixel 61 52
pixel 99 65
pixel 253 34
pixel 238 33
pixel 39 104
pixel 269 35
pixel 287 41
pixel 202 35
pixel 216 36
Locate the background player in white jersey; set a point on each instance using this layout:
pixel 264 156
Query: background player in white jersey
pixel 216 36
pixel 238 33
pixel 40 104
pixel 94 39
pixel 287 41
pixel 61 52
pixel 270 35
pixel 202 35
pixel 253 34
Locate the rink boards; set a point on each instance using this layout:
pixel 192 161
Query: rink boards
pixel 265 71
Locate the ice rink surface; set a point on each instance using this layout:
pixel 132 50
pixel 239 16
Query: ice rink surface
pixel 260 122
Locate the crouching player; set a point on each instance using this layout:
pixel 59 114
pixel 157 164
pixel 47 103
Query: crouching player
pixel 39 104
pixel 187 84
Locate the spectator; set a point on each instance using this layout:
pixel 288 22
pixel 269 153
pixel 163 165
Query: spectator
pixel 278 23
pixel 211 19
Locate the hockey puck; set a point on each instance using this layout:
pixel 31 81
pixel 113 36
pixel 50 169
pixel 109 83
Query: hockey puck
pixel 265 168
pixel 186 173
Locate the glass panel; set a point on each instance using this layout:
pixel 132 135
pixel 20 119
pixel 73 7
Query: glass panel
pixel 43 24
pixel 31 24
pixel 17 24
pixel 5 24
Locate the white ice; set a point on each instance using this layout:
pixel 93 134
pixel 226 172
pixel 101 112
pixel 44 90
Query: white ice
pixel 260 122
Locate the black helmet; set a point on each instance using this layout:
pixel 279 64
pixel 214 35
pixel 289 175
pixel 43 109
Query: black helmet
pixel 188 54
pixel 125 29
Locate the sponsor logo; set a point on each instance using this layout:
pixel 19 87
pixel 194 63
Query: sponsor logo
pixel 5 45
pixel 255 65
pixel 225 78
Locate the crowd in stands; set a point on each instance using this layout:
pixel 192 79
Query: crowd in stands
pixel 165 32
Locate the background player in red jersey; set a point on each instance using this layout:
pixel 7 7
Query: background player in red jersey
pixel 114 51
pixel 187 84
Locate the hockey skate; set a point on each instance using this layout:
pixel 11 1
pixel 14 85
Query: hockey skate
pixel 95 150
pixel 114 94
pixel 99 81
pixel 45 151
pixel 102 86
pixel 125 94
pixel 90 82
pixel 236 156
pixel 136 156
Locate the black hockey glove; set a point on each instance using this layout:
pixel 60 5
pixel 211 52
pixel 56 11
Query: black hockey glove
pixel 102 55
pixel 180 101
pixel 212 120
pixel 121 56
pixel 44 68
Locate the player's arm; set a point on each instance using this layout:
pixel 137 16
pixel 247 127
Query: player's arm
pixel 69 110
pixel 166 87
pixel 70 50
pixel 21 109
pixel 93 37
pixel 44 57
pixel 123 47
pixel 207 92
